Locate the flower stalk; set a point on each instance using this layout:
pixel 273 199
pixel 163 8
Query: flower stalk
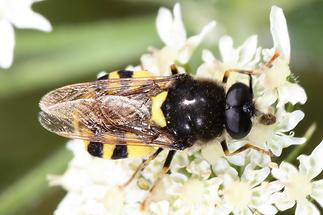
pixel 298 149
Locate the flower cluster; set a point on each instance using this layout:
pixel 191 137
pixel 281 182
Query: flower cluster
pixel 17 13
pixel 203 181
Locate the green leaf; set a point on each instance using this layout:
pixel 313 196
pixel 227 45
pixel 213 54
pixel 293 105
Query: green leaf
pixel 75 51
pixel 33 186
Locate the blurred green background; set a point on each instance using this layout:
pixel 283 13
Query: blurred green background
pixel 91 36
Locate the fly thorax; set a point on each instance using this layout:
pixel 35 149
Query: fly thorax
pixel 194 109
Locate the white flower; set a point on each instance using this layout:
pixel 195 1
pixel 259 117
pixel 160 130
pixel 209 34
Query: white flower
pixel 273 137
pixel 279 32
pixel 92 185
pixel 178 48
pixel 299 184
pixel 274 79
pixel 244 57
pixel 211 68
pixel 270 85
pixel 244 195
pixel 203 180
pixel 17 13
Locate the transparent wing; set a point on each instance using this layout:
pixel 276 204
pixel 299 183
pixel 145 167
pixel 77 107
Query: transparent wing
pixel 106 111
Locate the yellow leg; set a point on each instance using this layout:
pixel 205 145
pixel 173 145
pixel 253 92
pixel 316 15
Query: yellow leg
pixel 174 70
pixel 243 148
pixel 163 171
pixel 141 167
pixel 272 59
pixel 249 72
pixel 245 72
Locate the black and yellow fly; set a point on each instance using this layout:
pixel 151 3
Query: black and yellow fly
pixel 126 114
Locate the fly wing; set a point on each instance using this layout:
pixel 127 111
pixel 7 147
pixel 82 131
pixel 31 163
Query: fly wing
pixel 102 110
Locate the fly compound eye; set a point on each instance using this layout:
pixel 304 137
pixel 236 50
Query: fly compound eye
pixel 239 110
pixel 95 149
pixel 238 123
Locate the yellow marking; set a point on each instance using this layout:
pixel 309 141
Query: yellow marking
pixel 107 151
pixel 157 115
pixel 114 75
pixel 86 143
pixel 108 146
pixel 137 151
pixel 142 74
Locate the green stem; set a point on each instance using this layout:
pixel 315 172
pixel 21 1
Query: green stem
pixel 32 186
pixel 297 150
pixel 188 69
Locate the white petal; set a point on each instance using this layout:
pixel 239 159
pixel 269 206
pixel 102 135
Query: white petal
pixel 7 44
pixel 171 29
pixel 292 93
pixel 192 42
pixel 274 186
pixel 222 167
pixel 264 101
pixel 287 140
pixel 223 209
pixel 207 56
pixel 164 24
pixel 284 172
pixel 226 50
pixel 212 152
pixel 281 201
pixel 306 207
pixel 267 209
pixel 200 168
pixel 290 120
pixel 114 200
pixel 159 61
pixel 254 177
pixel 248 50
pixel 317 191
pixel 275 145
pixel 178 22
pixel 69 205
pixel 312 165
pixel 279 32
pixel 276 77
pixel 22 16
pixel 240 158
pixel 159 208
pixel 258 159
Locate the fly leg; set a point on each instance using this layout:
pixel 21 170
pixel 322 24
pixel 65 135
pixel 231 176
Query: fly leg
pixel 173 69
pixel 162 172
pixel 243 148
pixel 241 71
pixel 249 72
pixel 141 167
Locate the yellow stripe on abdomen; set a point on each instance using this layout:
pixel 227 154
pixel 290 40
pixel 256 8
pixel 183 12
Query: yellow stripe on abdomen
pixel 139 151
pixel 142 74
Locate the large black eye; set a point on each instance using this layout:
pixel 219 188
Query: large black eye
pixel 238 123
pixel 239 110
pixel 238 95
